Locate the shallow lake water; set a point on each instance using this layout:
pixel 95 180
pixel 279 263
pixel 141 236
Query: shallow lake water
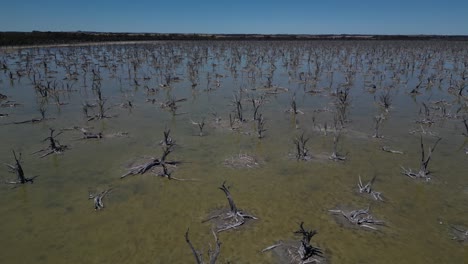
pixel 146 216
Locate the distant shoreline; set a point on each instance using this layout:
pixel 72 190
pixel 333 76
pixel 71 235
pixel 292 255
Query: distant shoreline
pixel 48 38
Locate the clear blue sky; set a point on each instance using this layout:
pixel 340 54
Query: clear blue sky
pixel 239 16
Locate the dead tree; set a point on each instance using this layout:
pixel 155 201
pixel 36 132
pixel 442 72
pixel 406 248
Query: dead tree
pixel 154 162
pixel 212 254
pixel 465 122
pixel 342 103
pixel 42 111
pixel 423 172
pixel 200 125
pixel 335 156
pixel 101 105
pixel 167 145
pixel 298 252
pixel 260 126
pixel 231 219
pixel 293 109
pixel 378 121
pixel 54 145
pixel 256 104
pixel 167 141
pixel 171 104
pixel 302 153
pixel 18 170
pixel 385 100
pixel 368 189
pixel 238 104
pixel 427 120
pixel 97 199
pixel 306 250
pixel 216 118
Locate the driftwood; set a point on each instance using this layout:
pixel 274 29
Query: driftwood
pixel 231 219
pixel 97 199
pixel 387 149
pixel 368 189
pixel 10 104
pixel 18 170
pixel 423 172
pixel 212 254
pixel 90 135
pixel 459 234
pixel 54 145
pixel 360 217
pixel 298 252
pixel 148 166
pixel 423 131
pixel 241 161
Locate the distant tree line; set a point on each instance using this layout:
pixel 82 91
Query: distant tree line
pixel 48 37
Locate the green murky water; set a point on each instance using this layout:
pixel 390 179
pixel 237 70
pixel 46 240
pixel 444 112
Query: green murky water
pixel 145 218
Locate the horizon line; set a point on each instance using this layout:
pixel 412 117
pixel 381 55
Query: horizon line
pixel 206 33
